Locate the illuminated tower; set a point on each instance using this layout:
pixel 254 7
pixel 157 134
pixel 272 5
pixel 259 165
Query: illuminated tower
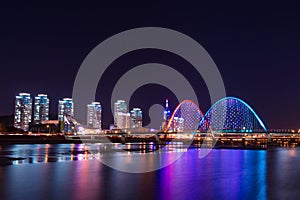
pixel 178 124
pixel 167 115
pixel 136 118
pixel 94 115
pixel 65 110
pixel 41 108
pixel 23 111
pixel 123 120
pixel 120 108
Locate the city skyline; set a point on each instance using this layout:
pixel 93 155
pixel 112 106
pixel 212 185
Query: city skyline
pixel 230 108
pixel 256 53
pixel 149 100
pixel 36 111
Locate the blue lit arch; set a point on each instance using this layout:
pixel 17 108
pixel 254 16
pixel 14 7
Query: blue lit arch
pixel 233 115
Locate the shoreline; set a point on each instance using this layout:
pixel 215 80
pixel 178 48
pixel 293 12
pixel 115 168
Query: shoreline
pixel 256 144
pixel 36 139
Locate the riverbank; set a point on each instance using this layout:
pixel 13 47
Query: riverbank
pixel 37 139
pixel 237 142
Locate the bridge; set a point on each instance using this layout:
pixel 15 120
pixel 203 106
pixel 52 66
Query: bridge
pixel 229 121
pixel 229 114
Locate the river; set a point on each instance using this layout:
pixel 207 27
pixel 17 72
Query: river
pixel 69 171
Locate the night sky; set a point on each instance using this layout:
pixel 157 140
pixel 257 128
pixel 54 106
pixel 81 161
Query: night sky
pixel 256 48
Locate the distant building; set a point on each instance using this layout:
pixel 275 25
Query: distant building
pixel 66 112
pixel 136 118
pixel 46 126
pixel 94 112
pixel 23 111
pixel 120 106
pixel 41 108
pixel 178 124
pixel 50 122
pixel 166 116
pixel 123 120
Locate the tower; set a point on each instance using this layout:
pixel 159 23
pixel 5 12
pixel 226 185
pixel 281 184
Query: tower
pixel 23 111
pixel 41 108
pixel 120 112
pixel 94 112
pixel 65 111
pixel 166 115
pixel 136 118
pixel 123 120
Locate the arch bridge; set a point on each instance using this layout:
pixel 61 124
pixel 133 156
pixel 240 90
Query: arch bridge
pixel 227 115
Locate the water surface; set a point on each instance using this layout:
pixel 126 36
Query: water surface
pixel 69 171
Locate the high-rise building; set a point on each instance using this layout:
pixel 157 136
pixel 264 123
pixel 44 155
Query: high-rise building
pixel 136 118
pixel 123 120
pixel 41 108
pixel 94 115
pixel 65 112
pixel 119 107
pixel 23 111
pixel 178 124
pixel 166 116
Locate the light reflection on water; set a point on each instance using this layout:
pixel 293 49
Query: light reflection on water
pixel 223 174
pixel 44 153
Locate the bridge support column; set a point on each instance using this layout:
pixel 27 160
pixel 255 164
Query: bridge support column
pixel 157 140
pixel 123 139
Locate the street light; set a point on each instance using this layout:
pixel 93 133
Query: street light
pixel 48 127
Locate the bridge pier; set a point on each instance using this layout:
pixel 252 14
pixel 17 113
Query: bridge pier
pixel 123 139
pixel 157 139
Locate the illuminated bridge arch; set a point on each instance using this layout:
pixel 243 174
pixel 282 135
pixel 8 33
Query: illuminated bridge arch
pixel 231 114
pixel 185 117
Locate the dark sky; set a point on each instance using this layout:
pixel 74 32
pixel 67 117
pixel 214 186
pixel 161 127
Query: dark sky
pixel 256 48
